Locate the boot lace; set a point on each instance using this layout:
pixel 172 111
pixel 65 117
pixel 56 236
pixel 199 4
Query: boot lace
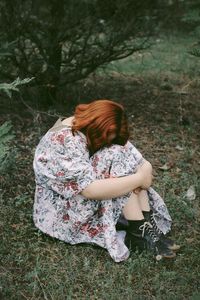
pixel 154 225
pixel 147 227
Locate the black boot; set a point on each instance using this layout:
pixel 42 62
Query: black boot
pixel 170 244
pixel 141 236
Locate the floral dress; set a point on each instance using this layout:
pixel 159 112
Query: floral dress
pixel 63 168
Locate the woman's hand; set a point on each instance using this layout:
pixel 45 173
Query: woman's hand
pixel 108 188
pixel 145 171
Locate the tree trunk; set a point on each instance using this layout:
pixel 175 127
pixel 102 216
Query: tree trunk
pixel 52 74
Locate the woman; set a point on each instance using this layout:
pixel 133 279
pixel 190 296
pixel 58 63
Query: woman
pixel 90 179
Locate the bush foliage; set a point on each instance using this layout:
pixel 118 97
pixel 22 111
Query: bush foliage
pixel 60 42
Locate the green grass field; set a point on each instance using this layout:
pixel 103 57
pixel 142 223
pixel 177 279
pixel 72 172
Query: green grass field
pixel 167 55
pixel 165 127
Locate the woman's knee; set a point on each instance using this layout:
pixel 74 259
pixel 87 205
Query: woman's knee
pixel 116 160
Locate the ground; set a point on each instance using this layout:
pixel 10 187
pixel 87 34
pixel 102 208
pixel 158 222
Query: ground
pixel 164 118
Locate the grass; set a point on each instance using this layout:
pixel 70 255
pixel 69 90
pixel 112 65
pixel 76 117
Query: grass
pixel 35 266
pixel 168 55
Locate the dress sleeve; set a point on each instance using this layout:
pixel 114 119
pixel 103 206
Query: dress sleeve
pixel 67 169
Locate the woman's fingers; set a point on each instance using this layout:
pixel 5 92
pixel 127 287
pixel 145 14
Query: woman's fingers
pixel 137 191
pixel 145 171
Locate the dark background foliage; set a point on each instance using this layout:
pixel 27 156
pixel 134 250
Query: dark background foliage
pixel 61 42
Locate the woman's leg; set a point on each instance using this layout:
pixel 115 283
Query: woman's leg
pixel 136 205
pixel 144 201
pixel 132 209
pixel 117 161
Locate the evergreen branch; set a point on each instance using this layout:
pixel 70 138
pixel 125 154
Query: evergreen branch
pixel 13 86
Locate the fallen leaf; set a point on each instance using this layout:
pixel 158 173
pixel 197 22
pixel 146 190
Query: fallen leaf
pixel 179 148
pixel 16 226
pixel 178 170
pixel 191 194
pixel 166 167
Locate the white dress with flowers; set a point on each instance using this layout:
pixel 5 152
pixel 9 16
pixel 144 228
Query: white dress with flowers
pixel 63 168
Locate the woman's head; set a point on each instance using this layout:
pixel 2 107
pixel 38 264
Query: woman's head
pixel 103 122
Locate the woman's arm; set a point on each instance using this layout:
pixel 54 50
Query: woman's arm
pixel 115 187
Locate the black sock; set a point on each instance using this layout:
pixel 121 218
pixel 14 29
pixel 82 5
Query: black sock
pixel 147 214
pixel 133 225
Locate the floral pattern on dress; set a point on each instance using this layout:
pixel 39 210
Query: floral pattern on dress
pixel 63 168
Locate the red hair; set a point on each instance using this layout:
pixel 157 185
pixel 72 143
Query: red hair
pixel 99 120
